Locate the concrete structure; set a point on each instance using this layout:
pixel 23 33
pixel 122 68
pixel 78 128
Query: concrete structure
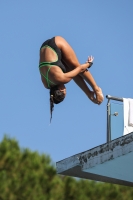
pixel 111 162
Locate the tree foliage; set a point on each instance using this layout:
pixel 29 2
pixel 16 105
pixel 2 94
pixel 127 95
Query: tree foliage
pixel 27 175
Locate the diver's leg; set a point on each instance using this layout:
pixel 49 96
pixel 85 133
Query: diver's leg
pixel 70 58
pixel 82 84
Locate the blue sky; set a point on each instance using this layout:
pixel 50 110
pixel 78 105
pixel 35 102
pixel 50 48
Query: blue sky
pixel 103 29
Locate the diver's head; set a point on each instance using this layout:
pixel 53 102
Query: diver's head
pixel 57 95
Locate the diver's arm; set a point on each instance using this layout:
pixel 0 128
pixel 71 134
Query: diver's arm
pixel 66 77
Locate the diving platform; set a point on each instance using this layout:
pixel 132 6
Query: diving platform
pixel 111 162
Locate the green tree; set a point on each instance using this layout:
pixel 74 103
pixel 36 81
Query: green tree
pixel 26 175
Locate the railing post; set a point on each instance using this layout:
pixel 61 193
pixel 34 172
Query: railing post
pixel 108 122
pixel 108 115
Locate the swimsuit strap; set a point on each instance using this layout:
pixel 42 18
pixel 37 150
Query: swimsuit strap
pixel 50 64
pixel 46 77
pixel 48 81
pixel 52 50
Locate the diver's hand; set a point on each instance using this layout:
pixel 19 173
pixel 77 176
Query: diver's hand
pixel 90 59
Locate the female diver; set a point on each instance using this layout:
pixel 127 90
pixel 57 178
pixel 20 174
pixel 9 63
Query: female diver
pixel 58 65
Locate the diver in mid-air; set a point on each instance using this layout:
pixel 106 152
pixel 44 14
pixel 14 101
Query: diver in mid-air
pixel 58 65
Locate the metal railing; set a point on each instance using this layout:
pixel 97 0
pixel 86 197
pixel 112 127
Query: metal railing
pixel 108 114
